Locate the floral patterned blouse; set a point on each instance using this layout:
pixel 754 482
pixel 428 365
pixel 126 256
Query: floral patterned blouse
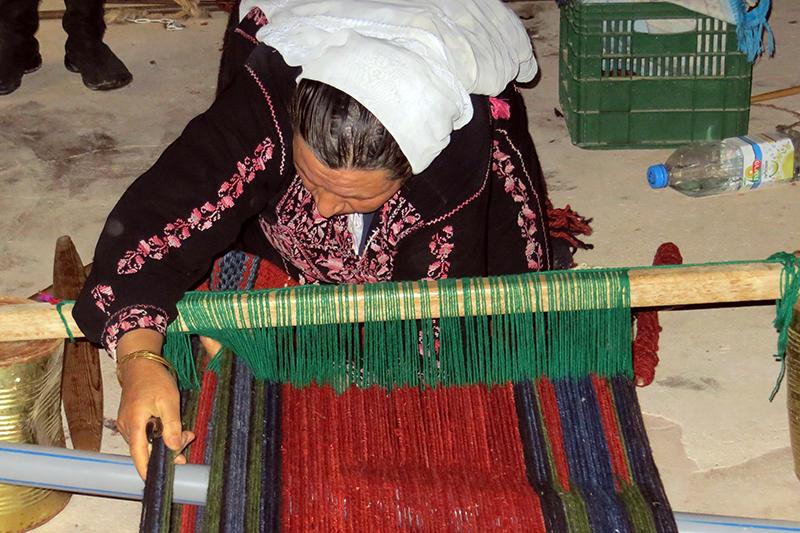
pixel 229 181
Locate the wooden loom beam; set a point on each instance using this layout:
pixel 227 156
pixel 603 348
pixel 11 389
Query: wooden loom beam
pixel 650 287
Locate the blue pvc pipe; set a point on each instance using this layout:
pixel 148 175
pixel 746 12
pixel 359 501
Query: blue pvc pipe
pixel 703 523
pixel 100 474
pixel 115 476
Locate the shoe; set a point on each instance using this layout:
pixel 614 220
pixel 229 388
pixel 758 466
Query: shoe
pixel 14 63
pixel 99 68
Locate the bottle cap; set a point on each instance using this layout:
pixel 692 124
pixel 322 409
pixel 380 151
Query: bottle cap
pixel 658 176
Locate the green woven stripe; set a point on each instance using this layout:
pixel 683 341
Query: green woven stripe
pixel 212 517
pixel 575 511
pixel 639 511
pixel 166 522
pixel 589 334
pixel 257 441
pixel 572 502
pixel 188 421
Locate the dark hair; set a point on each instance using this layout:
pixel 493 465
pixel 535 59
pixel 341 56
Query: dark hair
pixel 342 133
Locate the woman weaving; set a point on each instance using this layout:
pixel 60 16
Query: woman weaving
pixel 359 141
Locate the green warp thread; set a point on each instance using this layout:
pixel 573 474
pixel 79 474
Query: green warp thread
pixel 479 349
pixel 591 332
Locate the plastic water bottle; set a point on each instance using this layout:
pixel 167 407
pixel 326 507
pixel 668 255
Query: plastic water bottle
pixel 735 164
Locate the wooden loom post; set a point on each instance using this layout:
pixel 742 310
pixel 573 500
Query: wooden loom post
pixel 650 287
pixel 82 381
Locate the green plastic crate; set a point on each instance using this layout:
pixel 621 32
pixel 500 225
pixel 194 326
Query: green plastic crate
pixel 623 88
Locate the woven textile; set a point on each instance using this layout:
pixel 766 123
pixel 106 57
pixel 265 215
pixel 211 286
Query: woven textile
pixel 563 454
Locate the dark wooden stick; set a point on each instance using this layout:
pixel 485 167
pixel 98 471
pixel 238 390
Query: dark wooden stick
pixel 772 95
pixel 82 381
pixel 49 288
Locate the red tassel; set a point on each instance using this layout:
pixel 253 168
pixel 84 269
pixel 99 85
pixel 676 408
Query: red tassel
pixel 645 346
pixel 567 225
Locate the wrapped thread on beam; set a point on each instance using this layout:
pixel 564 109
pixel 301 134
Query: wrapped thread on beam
pixel 460 340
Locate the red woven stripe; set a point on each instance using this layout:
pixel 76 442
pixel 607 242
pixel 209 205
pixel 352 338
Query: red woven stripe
pixel 204 409
pixel 205 403
pixel 435 460
pixel 552 423
pixel 270 276
pixel 608 417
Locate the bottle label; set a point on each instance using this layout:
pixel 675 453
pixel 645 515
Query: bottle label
pixel 766 157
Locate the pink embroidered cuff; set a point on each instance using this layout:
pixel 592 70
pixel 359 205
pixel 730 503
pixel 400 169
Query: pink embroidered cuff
pixel 131 318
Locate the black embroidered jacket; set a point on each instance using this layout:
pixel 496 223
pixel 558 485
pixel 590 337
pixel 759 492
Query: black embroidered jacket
pixel 228 180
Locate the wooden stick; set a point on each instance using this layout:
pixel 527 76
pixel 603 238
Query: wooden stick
pixel 650 287
pixel 773 95
pixel 82 380
pixel 87 269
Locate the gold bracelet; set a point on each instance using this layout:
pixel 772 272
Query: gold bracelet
pixel 147 355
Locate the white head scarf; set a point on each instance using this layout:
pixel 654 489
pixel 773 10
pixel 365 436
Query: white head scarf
pixel 411 63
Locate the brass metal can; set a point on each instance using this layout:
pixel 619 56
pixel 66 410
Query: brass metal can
pixel 30 412
pixel 793 387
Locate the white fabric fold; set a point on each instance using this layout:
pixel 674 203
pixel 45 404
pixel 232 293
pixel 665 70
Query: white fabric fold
pixel 412 63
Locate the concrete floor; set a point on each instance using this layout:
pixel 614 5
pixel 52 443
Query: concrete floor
pixel 67 153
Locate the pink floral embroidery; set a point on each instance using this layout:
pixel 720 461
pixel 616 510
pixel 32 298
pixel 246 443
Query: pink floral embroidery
pixel 322 248
pixel 441 246
pixel 201 218
pixel 103 297
pixel 257 16
pixel 134 317
pixel 504 169
pixel 500 108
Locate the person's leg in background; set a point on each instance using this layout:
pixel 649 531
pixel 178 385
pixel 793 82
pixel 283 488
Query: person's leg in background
pixel 231 59
pixel 86 52
pixel 19 49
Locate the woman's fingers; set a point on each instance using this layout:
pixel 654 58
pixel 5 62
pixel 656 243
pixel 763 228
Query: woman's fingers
pixel 211 346
pixel 140 450
pixel 173 437
pixel 187 437
pixel 171 422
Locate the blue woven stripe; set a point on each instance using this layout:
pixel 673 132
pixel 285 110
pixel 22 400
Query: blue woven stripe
pixel 271 460
pixel 539 470
pixel 640 457
pixel 236 453
pixel 588 456
pixel 238 270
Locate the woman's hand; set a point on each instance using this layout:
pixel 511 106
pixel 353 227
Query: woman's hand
pixel 148 390
pixel 211 346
